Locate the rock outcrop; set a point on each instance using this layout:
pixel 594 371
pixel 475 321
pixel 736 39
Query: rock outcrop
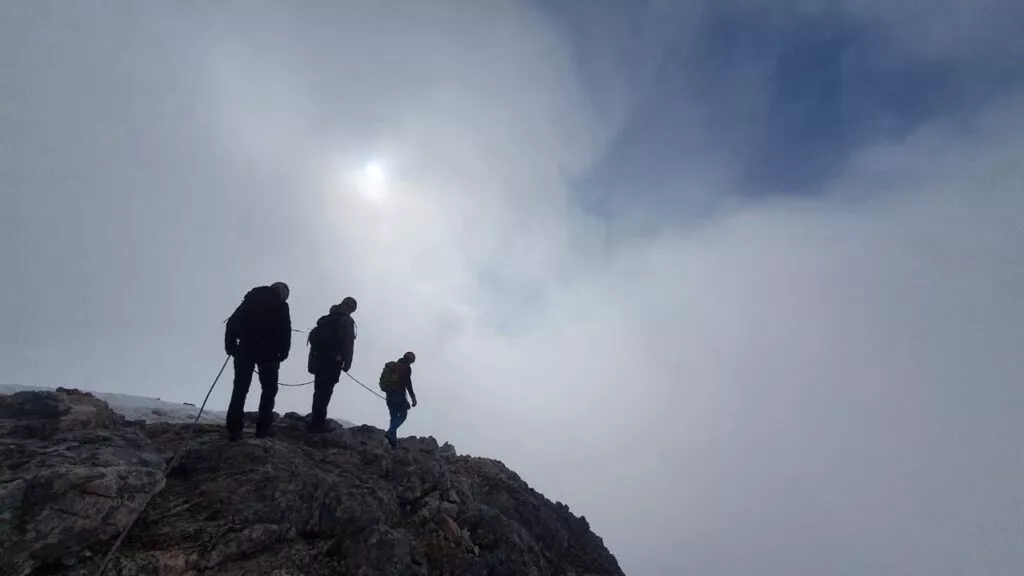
pixel 73 474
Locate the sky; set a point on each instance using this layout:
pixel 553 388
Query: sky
pixel 738 281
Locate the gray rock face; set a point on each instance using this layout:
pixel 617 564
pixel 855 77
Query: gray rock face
pixel 72 474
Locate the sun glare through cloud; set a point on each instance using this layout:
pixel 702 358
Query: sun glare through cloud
pixel 374 181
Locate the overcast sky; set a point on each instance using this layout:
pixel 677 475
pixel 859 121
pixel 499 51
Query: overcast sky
pixel 739 281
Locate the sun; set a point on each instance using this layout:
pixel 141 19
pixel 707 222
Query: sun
pixel 374 173
pixel 374 181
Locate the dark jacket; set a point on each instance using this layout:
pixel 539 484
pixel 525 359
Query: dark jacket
pixel 260 329
pixel 336 339
pixel 397 397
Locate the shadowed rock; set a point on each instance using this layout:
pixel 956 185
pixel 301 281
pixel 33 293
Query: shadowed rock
pixel 72 472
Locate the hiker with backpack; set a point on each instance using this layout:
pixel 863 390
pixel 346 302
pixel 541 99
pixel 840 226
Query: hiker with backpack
pixel 331 343
pixel 395 380
pixel 258 335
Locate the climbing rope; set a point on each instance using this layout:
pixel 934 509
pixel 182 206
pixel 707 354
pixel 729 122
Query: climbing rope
pixel 351 377
pixel 225 321
pixel 181 451
pixel 368 389
pixel 257 370
pixel 167 470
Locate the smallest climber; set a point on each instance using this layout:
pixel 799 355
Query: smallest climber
pixel 395 380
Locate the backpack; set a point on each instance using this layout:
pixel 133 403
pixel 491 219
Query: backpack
pixel 390 377
pixel 245 321
pixel 324 341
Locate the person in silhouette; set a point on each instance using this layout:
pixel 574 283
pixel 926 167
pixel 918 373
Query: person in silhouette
pixel 395 381
pixel 258 335
pixel 331 344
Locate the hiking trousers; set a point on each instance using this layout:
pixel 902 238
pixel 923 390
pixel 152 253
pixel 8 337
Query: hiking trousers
pixel 323 387
pixel 243 379
pixel 398 408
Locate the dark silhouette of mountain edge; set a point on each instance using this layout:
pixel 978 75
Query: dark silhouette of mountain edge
pixel 73 473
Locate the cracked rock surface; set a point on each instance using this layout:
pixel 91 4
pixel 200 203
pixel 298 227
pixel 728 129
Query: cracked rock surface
pixel 73 473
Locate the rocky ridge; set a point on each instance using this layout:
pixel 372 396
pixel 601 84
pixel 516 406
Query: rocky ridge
pixel 73 472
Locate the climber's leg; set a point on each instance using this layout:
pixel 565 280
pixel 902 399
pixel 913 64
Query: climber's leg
pixel 236 407
pixel 268 382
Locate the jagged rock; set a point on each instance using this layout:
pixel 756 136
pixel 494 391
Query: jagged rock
pixel 448 451
pixel 73 472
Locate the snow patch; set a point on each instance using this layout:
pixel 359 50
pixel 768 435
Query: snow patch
pixel 148 409
pixel 139 407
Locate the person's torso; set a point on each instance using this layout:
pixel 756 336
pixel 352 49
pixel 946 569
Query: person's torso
pixel 331 331
pixel 404 375
pixel 262 311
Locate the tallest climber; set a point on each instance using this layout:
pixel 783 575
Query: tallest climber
pixel 258 334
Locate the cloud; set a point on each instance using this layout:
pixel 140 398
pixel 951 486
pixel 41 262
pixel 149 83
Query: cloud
pixel 819 385
pixel 740 384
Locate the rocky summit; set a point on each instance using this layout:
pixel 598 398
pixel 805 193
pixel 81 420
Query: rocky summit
pixel 74 474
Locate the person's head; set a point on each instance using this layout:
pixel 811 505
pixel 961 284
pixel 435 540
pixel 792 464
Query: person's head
pixel 348 305
pixel 409 357
pixel 282 289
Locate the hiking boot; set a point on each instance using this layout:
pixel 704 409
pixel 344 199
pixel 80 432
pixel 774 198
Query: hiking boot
pixel 234 436
pixel 265 433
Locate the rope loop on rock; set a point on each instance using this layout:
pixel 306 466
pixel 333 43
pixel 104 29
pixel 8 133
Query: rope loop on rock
pixel 177 457
pixel 174 462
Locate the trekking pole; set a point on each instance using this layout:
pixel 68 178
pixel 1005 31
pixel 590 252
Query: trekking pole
pixel 167 470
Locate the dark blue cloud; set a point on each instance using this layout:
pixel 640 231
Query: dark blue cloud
pixel 771 99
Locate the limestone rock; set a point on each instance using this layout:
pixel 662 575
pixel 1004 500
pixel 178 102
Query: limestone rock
pixel 72 472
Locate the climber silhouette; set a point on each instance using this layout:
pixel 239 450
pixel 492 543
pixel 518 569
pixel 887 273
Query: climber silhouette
pixel 331 345
pixel 258 333
pixel 395 380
